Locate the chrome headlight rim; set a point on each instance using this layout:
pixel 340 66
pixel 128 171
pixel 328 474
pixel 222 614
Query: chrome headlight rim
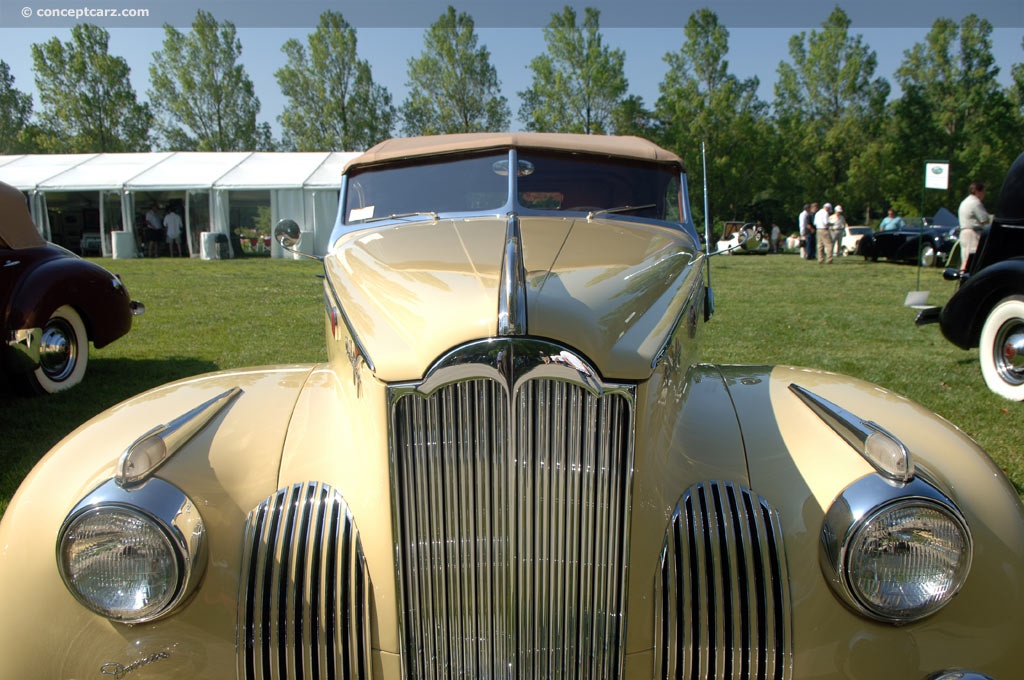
pixel 852 512
pixel 165 510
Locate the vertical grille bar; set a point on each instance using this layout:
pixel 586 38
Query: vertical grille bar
pixel 515 508
pixel 722 598
pixel 304 606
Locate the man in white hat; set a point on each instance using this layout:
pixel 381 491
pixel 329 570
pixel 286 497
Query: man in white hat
pixel 824 235
pixel 837 225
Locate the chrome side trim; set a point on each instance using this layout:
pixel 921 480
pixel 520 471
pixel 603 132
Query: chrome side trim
pixel 304 592
pixel 867 438
pixel 147 453
pixel 722 602
pixel 335 300
pixel 512 475
pixel 512 300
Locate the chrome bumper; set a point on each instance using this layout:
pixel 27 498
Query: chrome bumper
pixel 23 349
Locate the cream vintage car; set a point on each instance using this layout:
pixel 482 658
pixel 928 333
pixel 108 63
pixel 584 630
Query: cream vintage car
pixel 514 465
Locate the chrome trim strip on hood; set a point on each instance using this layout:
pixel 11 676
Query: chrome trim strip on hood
pixel 512 303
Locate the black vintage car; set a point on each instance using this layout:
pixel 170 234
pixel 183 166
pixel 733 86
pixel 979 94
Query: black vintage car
pixel 987 310
pixel 904 244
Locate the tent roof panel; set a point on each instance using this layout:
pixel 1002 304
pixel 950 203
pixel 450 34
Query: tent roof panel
pixel 328 175
pixel 188 170
pixel 268 170
pixel 27 172
pixel 109 171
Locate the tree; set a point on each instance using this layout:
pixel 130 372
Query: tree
pixel 953 108
pixel 578 83
pixel 829 108
pixel 333 103
pixel 15 111
pixel 203 96
pixel 1017 89
pixel 701 102
pixel 453 87
pixel 88 103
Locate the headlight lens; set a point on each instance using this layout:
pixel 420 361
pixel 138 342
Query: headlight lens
pixel 120 564
pixel 133 553
pixel 895 552
pixel 908 559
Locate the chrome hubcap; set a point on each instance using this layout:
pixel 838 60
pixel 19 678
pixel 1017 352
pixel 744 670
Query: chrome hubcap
pixel 1009 352
pixel 58 351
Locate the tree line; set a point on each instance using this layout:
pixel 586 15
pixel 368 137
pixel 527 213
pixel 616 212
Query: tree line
pixel 831 132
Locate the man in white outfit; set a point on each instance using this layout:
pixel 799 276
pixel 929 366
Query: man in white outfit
pixel 824 235
pixel 973 218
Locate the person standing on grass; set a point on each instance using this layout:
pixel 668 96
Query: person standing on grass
pixel 805 225
pixel 823 235
pixel 837 227
pixel 173 225
pixel 973 218
pixel 154 231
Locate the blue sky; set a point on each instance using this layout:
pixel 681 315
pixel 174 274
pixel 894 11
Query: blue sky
pixel 755 50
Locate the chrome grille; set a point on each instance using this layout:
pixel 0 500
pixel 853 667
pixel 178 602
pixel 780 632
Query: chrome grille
pixel 722 599
pixel 304 601
pixel 511 510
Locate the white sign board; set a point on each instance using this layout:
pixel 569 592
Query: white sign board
pixel 936 176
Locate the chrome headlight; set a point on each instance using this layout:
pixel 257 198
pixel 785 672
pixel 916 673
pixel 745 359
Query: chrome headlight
pixel 132 555
pixel 895 553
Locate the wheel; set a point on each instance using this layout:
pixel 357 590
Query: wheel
pixel 1001 349
pixel 63 353
pixel 928 256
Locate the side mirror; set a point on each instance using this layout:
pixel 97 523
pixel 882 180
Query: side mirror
pixel 751 237
pixel 287 233
pixel 748 238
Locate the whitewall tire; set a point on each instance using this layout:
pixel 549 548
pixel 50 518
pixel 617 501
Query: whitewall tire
pixel 64 353
pixel 1001 348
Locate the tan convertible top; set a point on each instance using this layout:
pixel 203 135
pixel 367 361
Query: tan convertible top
pixel 411 147
pixel 16 227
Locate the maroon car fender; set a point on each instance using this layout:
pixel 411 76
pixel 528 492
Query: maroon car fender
pixel 98 296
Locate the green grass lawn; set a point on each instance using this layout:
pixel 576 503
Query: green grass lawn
pixel 846 317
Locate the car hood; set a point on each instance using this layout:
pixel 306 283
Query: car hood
pixel 610 288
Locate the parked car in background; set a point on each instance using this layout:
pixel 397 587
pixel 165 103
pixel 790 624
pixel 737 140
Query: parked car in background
pixel 917 241
pixel 851 239
pixel 514 464
pixel 53 304
pixel 743 238
pixel 91 244
pixel 987 309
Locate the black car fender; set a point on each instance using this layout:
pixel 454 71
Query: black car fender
pixel 964 315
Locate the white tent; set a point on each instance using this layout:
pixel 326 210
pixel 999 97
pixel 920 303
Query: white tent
pixel 300 186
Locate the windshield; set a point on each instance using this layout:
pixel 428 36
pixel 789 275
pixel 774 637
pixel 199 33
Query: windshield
pixel 440 185
pixel 579 183
pixel 544 181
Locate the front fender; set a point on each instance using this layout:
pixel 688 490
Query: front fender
pixel 964 314
pixel 99 296
pixel 799 464
pixel 226 469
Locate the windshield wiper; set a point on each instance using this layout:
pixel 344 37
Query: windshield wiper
pixel 621 209
pixel 395 216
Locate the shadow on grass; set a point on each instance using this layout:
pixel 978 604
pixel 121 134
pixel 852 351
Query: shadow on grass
pixel 32 425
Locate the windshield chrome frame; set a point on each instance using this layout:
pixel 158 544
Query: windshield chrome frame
pixel 511 207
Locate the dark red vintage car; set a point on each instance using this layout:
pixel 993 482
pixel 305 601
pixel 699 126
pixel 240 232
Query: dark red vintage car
pixel 52 304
